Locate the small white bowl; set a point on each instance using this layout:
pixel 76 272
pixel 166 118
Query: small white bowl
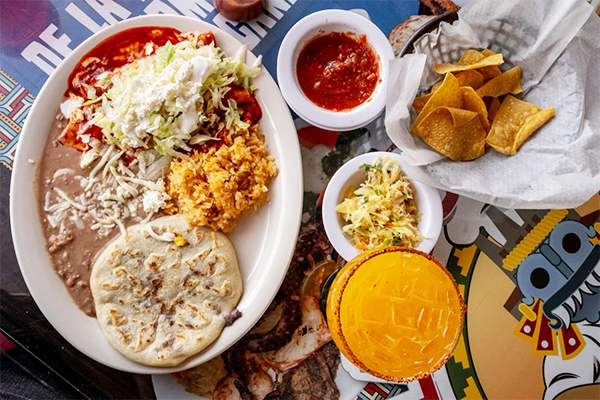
pixel 324 22
pixel 350 174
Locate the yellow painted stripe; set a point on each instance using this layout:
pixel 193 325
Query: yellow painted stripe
pixel 471 391
pixel 533 239
pixel 460 352
pixel 465 258
pixel 527 311
pixel 7 77
pixel 12 124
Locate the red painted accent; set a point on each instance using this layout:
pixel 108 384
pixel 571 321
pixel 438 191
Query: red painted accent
pixel 529 323
pixel 449 202
pixel 372 388
pixel 546 334
pixel 5 344
pixel 381 391
pixel 3 137
pixel 310 136
pixel 567 348
pixel 3 90
pixel 16 104
pixel 428 389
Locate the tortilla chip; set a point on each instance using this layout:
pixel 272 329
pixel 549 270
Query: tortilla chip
pixel 489 72
pixel 455 133
pixel 515 121
pixel 470 57
pixel 447 95
pixel 470 78
pixel 472 102
pixel 508 82
pixel 436 86
pixel 420 102
pixel 493 60
pixel 493 109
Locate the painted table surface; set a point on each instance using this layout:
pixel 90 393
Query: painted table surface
pixel 507 263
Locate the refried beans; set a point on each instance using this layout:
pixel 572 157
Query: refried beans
pixel 73 251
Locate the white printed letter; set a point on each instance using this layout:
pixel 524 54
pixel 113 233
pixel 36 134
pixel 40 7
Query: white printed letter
pixel 193 8
pixel 60 44
pixel 273 7
pixel 106 9
pixel 245 35
pixel 158 7
pixel 33 53
pixel 83 18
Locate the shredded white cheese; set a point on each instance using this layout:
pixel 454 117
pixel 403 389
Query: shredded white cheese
pixel 167 236
pixel 112 193
pixel 61 172
pixel 154 200
pixel 68 106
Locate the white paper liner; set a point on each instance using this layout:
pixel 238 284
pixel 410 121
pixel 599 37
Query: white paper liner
pixel 556 45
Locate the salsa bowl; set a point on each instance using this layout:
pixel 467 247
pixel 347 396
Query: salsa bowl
pixel 322 23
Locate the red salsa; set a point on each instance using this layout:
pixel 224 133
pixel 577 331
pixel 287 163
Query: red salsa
pixel 338 71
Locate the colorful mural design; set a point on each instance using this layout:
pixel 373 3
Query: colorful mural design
pixel 380 391
pixel 15 102
pixel 531 283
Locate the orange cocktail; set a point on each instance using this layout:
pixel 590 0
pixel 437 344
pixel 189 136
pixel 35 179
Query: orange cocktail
pixel 395 313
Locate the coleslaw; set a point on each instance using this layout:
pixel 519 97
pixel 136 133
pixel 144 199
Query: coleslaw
pixel 382 211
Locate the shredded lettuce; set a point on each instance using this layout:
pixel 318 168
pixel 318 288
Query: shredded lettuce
pixel 232 116
pixel 90 91
pixel 161 101
pixel 164 56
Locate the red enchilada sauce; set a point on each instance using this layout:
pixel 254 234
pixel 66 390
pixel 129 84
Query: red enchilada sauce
pixel 120 49
pixel 338 71
pixel 126 47
pixel 114 52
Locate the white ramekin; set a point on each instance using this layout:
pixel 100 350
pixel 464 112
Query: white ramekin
pixel 320 23
pixel 427 199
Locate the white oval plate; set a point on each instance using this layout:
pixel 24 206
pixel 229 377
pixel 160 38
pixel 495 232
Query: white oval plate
pixel 166 387
pixel 264 240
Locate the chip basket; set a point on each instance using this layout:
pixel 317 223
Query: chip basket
pixel 428 27
pixel 501 37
